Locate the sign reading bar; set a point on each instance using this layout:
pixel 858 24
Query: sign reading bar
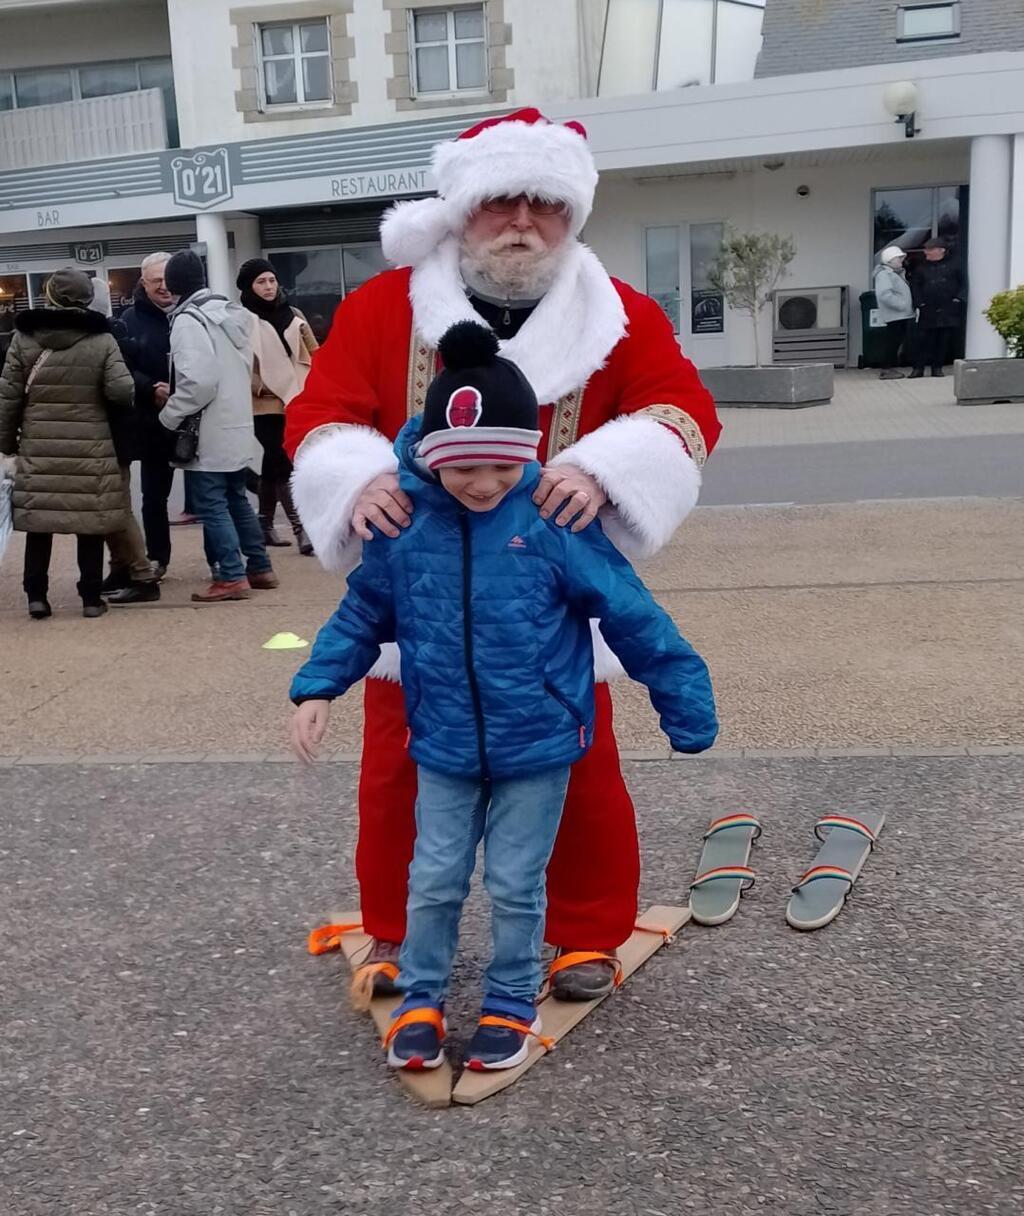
pixel 368 185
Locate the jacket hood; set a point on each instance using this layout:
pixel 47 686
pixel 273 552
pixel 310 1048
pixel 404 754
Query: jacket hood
pixel 219 310
pixel 59 328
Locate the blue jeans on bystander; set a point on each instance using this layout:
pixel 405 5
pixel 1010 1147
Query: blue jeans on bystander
pixel 230 526
pixel 517 820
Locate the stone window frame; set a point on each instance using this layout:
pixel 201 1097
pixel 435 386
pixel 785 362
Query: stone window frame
pixel 245 58
pixel 500 77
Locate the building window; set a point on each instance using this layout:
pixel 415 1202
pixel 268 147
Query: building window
pixel 662 254
pixel 318 278
pixel 51 86
pixel 707 306
pixel 296 63
pixel 449 50
pixel 925 22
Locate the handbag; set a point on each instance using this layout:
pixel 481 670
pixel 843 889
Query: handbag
pixel 185 445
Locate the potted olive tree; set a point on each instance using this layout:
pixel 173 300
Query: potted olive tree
pixel 992 381
pixel 747 271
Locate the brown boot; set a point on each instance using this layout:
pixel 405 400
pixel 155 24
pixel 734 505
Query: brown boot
pixel 267 509
pixel 586 980
pixel 383 981
pixel 266 580
pixel 218 591
pixel 284 497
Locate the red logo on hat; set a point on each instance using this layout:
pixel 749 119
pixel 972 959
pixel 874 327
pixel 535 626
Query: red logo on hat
pixel 465 406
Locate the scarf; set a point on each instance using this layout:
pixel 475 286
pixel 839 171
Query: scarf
pixel 278 312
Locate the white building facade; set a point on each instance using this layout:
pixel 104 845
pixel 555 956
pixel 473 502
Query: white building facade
pixel 284 127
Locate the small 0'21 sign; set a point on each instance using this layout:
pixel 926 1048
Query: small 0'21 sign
pixel 202 180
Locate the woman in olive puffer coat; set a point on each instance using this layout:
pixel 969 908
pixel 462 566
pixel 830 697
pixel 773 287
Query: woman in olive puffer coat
pixel 63 381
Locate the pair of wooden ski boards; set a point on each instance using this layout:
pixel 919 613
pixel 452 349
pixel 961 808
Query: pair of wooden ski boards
pixel 723 874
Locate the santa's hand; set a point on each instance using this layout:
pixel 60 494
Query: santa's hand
pixel 382 504
pixel 576 492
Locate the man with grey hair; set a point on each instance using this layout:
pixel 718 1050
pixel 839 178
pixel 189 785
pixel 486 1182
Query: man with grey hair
pixel 146 345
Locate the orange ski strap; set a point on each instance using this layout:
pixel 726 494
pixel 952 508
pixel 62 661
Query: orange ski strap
pixel 433 1017
pixel 585 956
pixel 328 938
pixel 544 1040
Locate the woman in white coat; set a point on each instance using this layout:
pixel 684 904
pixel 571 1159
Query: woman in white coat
pixel 895 307
pixel 283 346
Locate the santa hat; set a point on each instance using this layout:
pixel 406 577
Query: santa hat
pixel 480 409
pixel 520 153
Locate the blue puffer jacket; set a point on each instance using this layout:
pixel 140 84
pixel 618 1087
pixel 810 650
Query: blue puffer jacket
pixel 491 615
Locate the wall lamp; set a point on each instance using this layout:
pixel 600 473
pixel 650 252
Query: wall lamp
pixel 901 99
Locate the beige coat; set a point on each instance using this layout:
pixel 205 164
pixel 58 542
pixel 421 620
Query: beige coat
pixel 276 378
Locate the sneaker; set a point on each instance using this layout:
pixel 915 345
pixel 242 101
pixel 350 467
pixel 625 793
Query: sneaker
pixel 135 593
pixel 40 609
pixel 585 981
pixel 159 571
pixel 90 611
pixel 266 580
pixel 217 591
pixel 416 1037
pixel 498 1041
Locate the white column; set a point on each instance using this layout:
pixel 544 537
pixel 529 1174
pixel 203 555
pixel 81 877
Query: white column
pixel 247 239
pixel 1017 215
pixel 212 230
pixel 988 241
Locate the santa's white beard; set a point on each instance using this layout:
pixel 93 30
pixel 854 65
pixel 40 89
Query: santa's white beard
pixel 511 270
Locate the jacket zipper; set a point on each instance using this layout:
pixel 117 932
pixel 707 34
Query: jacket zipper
pixel 553 692
pixel 467 633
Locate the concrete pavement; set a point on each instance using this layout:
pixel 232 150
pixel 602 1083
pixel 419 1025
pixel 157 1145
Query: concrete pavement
pixel 169 1048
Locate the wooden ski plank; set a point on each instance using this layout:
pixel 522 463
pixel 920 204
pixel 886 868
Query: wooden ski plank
pixel 432 1087
pixel 559 1017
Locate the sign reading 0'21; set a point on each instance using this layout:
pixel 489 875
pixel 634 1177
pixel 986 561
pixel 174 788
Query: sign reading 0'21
pixel 202 180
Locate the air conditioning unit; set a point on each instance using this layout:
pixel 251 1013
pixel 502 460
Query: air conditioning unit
pixel 811 325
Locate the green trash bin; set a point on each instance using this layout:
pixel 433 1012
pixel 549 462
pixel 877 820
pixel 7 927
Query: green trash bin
pixel 872 337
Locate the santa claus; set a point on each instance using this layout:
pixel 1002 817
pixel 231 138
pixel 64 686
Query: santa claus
pixel 626 430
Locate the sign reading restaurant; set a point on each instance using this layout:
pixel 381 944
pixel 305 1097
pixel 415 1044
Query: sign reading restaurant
pixel 369 185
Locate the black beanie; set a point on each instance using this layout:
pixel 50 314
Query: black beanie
pixel 480 408
pixel 250 271
pixel 184 274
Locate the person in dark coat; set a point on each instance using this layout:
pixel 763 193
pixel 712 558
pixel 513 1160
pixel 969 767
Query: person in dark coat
pixel 63 383
pixel 147 351
pixel 938 291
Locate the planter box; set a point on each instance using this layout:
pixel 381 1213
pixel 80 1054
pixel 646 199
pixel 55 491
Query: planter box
pixel 988 381
pixel 774 388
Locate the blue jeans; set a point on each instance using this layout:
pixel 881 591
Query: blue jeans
pixel 517 821
pixel 229 524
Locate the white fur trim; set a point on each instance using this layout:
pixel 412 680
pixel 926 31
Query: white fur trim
pixel 542 158
pixel 332 467
pixel 389 665
pixel 412 230
pixel 651 481
pixel 567 337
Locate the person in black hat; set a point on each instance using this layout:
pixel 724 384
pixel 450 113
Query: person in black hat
pixel 938 291
pixel 491 607
pixel 283 346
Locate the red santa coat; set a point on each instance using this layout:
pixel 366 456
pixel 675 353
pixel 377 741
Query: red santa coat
pixel 623 402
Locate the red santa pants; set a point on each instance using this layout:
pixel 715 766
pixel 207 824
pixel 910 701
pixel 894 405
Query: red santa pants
pixel 594 871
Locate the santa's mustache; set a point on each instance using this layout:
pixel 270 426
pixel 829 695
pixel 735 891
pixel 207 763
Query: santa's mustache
pixel 529 241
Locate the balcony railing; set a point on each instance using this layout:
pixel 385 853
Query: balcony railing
pixel 83 130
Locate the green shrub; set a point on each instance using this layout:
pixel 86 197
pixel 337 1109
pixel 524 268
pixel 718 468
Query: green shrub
pixel 747 270
pixel 1006 315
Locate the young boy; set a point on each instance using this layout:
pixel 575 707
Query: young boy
pixel 490 606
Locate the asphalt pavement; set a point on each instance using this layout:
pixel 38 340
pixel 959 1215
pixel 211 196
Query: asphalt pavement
pixel 168 1047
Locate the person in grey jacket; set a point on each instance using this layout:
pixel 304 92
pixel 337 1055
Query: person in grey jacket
pixel 211 367
pixel 895 307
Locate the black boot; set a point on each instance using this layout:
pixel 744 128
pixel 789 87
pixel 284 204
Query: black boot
pixel 268 495
pixel 937 372
pixel 284 495
pixel 916 374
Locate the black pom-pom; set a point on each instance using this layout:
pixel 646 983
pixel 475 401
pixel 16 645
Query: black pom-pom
pixel 467 344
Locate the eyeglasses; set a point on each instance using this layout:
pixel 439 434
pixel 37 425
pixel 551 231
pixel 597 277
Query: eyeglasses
pixel 537 206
